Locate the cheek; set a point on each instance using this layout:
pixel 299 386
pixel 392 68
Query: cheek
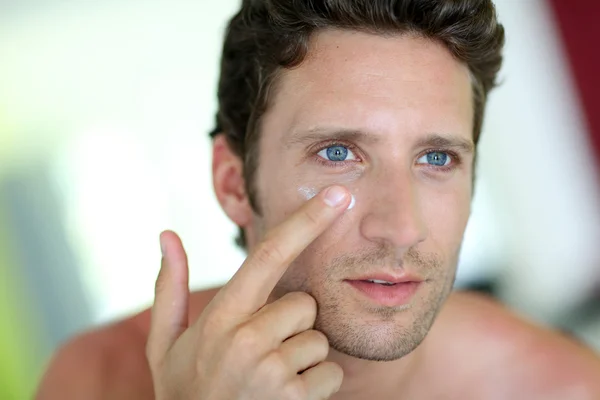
pixel 446 212
pixel 277 191
pixel 284 190
pixel 278 202
pixel 281 193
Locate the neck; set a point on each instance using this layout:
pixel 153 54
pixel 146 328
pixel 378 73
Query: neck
pixel 364 379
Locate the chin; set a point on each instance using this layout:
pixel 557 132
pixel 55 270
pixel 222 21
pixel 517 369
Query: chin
pixel 373 343
pixel 385 338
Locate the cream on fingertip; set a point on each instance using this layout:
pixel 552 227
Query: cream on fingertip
pixel 352 203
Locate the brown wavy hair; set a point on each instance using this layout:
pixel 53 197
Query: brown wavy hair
pixel 266 36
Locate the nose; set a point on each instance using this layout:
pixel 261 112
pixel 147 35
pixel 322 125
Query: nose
pixel 394 216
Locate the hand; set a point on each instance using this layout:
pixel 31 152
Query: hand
pixel 240 347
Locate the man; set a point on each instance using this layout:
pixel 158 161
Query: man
pixel 344 150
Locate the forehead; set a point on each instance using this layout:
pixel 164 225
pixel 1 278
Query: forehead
pixel 374 83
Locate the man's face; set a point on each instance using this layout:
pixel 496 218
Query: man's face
pixel 390 118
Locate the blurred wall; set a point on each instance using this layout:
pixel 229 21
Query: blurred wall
pixel 18 339
pixel 104 114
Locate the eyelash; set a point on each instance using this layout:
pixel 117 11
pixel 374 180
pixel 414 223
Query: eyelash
pixel 336 164
pixel 454 163
pixel 455 157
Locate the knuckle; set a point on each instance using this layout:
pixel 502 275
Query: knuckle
pixel 269 253
pixel 152 350
pixel 313 217
pixel 295 390
pixel 209 325
pixel 155 360
pixel 319 336
pixel 302 300
pixel 337 375
pixel 321 341
pixel 161 281
pixel 151 354
pixel 246 338
pixel 273 368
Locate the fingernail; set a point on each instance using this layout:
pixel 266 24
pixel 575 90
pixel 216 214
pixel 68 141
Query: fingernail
pixel 335 195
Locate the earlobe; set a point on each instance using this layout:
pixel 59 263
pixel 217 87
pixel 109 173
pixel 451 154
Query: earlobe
pixel 228 182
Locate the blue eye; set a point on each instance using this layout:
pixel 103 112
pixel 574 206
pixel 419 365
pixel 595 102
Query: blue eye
pixel 435 158
pixel 337 153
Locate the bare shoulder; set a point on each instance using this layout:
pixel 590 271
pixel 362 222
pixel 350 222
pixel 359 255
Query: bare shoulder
pixel 108 362
pixel 531 360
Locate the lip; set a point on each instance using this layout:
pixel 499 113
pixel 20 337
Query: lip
pixel 388 278
pixel 387 295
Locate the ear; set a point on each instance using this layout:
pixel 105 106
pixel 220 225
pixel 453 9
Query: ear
pixel 228 182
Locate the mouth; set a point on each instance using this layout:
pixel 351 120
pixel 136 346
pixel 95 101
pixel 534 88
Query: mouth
pixel 387 290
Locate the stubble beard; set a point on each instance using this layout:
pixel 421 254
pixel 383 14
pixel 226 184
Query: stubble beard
pixel 375 333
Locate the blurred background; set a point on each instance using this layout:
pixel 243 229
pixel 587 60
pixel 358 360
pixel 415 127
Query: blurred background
pixel 104 113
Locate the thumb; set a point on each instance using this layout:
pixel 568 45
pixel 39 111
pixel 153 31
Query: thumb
pixel 171 300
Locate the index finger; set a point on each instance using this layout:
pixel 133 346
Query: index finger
pixel 250 287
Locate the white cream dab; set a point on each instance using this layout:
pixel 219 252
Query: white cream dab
pixel 352 203
pixel 309 193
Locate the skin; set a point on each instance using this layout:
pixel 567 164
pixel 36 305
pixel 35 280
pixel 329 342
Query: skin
pixel 409 216
pixel 402 94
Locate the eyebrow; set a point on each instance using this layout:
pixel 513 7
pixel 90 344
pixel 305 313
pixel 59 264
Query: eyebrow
pixel 431 140
pixel 447 141
pixel 323 133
